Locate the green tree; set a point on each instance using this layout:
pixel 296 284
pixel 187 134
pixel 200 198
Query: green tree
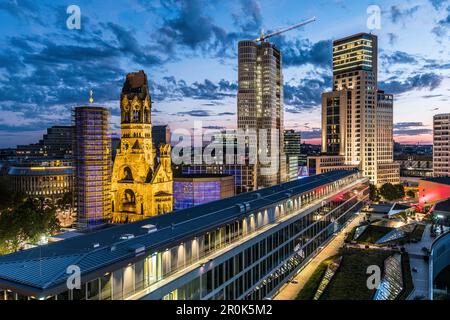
pixel 388 191
pixel 26 223
pixel 392 192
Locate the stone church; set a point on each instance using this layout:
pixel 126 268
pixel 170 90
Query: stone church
pixel 141 184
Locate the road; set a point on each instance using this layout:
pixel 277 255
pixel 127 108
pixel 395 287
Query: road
pixel 290 290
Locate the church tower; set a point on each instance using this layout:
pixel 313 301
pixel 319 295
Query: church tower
pixel 141 186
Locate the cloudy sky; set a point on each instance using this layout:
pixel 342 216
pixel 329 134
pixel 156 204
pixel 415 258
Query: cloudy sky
pixel 188 50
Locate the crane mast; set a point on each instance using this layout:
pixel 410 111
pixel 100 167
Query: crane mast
pixel 295 26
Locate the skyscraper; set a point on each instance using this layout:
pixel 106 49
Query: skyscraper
pixel 260 108
pixel 356 117
pixel 141 186
pixel 441 145
pixel 92 158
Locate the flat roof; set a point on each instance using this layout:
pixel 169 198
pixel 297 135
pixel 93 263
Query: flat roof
pixel 203 176
pixel 442 180
pixel 44 267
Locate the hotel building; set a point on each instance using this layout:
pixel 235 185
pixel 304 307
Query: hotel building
pixel 441 145
pixel 356 117
pixel 243 247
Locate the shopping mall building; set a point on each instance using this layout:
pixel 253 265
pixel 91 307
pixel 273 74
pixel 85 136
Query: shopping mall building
pixel 242 247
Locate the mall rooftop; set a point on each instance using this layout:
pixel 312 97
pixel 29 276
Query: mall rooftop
pixel 44 267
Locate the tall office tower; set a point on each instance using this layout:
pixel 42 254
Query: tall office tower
pixel 92 158
pixel 441 145
pixel 388 171
pixel 260 108
pixel 292 141
pixel 355 126
pixel 141 186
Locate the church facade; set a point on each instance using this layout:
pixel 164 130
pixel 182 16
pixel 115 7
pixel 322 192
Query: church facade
pixel 141 184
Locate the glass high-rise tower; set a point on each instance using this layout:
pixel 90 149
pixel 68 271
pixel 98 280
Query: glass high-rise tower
pixel 260 109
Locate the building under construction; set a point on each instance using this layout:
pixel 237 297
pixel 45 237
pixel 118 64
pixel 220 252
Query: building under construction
pixel 92 159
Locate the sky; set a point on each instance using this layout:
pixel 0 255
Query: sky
pixel 188 49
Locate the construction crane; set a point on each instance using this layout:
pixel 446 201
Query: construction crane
pixel 295 26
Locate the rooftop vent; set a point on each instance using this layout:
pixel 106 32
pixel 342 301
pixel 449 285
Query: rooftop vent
pixel 137 248
pixel 127 236
pixel 150 228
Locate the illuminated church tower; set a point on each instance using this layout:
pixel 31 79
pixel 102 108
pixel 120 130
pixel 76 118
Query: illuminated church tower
pixel 141 186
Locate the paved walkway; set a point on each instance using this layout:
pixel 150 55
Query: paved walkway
pixel 421 276
pixel 290 290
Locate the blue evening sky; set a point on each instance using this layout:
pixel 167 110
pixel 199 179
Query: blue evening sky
pixel 188 50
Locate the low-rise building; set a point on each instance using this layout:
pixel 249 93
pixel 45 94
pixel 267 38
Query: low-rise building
pixel 432 190
pixel 196 189
pixel 42 179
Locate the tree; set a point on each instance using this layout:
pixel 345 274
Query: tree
pixel 374 194
pixel 388 191
pixel 400 191
pixel 392 192
pixel 26 223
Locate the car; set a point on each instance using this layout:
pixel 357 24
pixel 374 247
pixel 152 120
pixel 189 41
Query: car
pixel 414 269
pixel 294 281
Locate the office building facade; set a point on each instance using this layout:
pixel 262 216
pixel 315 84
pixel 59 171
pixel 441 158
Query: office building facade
pixel 441 145
pixel 92 161
pixel 260 109
pixel 243 247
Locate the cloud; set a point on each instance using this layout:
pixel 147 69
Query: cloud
pixel 24 10
pixel 428 81
pixel 312 134
pixel 399 14
pixel 410 129
pixel 172 89
pixel 392 38
pixel 306 94
pixel 398 57
pixel 190 27
pixel 437 4
pixel 250 19
pixel 128 44
pixel 195 113
pixel 442 25
pixel 302 52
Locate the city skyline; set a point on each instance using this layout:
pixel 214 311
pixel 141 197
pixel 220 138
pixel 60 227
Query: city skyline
pixel 190 57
